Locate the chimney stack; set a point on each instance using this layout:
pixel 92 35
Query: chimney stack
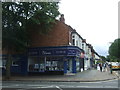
pixel 84 40
pixel 62 19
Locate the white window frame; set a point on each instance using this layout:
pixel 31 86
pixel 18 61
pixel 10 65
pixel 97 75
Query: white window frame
pixel 15 63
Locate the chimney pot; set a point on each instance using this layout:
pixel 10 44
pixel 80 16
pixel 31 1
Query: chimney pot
pixel 62 19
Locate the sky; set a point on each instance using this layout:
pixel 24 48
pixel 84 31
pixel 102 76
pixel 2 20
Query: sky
pixel 95 20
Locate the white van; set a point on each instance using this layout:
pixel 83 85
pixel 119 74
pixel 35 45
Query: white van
pixel 115 65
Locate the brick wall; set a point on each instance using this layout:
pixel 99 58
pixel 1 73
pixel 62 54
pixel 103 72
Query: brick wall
pixel 58 36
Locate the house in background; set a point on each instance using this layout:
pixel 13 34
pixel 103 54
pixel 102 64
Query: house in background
pixel 97 57
pixel 77 41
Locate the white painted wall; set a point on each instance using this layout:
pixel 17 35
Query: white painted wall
pixel 96 58
pixel 78 40
pixel 84 46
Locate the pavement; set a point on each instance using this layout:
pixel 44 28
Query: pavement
pixel 85 76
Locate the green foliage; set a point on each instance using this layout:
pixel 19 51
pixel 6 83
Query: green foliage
pixel 20 16
pixel 17 17
pixel 103 58
pixel 113 59
pixel 100 61
pixel 114 50
pixel 44 18
pixel 14 35
pixel 108 58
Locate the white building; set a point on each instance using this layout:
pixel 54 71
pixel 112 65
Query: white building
pixel 97 57
pixel 77 40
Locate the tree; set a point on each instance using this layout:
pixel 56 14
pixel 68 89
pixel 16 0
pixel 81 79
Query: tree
pixel 108 58
pixel 103 58
pixel 15 20
pixel 14 36
pixel 114 50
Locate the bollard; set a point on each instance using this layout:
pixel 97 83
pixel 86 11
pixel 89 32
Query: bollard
pixel 111 70
pixel 110 66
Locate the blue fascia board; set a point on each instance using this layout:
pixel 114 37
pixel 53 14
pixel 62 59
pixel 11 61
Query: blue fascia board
pixel 49 51
pixel 14 55
pixel 56 51
pixel 57 47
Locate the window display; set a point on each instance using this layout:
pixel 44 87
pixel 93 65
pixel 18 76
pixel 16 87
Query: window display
pixel 37 64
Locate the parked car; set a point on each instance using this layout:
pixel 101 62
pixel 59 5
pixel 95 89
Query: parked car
pixel 115 65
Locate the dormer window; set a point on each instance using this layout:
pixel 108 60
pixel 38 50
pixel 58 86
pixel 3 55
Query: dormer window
pixel 73 36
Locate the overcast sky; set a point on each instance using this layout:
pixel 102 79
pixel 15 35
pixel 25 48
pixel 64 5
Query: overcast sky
pixel 95 20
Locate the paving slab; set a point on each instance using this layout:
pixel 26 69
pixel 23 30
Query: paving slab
pixel 85 76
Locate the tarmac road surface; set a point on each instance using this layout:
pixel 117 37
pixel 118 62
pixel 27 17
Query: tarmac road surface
pixel 37 85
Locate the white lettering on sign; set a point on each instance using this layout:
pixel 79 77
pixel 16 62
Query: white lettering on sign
pixel 71 51
pixel 60 52
pixel 46 52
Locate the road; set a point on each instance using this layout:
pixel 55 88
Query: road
pixel 31 85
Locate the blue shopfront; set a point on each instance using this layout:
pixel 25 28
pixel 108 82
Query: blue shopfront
pixel 54 59
pixel 65 59
pixel 18 64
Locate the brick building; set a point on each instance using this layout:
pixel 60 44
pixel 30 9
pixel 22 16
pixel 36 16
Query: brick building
pixel 61 50
pixel 53 52
pixel 58 36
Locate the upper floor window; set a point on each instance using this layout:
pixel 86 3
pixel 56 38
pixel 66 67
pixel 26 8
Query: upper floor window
pixel 73 41
pixel 73 36
pixel 76 43
pixel 82 45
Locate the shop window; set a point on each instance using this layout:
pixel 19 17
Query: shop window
pixel 4 59
pixel 31 67
pixel 36 64
pixel 4 64
pixel 36 67
pixel 15 63
pixel 53 64
pixel 77 64
pixel 42 67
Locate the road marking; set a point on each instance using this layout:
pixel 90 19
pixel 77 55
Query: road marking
pixel 36 85
pixel 115 80
pixel 90 82
pixel 59 88
pixel 66 86
pixel 46 87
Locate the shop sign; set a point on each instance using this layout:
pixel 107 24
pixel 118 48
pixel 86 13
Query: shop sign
pixel 33 53
pixel 45 52
pixel 71 52
pixel 60 52
pixel 54 52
